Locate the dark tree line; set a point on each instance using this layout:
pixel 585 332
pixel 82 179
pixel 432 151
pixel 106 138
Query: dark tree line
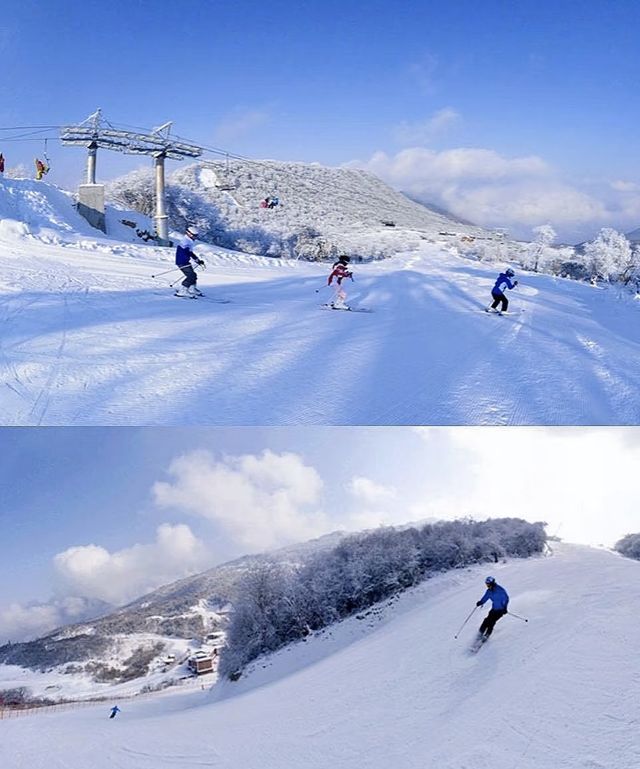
pixel 629 546
pixel 280 603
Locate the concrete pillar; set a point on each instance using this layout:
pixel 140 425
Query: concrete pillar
pixel 91 205
pixel 161 218
pixel 91 163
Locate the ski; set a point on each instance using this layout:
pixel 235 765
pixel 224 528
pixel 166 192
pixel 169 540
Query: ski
pixel 345 309
pixel 202 296
pixel 509 312
pixel 478 644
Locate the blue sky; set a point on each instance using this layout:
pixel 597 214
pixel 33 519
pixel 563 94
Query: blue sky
pixel 513 114
pixel 111 513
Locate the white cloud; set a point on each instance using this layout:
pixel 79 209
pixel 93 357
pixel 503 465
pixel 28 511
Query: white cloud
pixel 23 623
pixel 241 123
pixel 623 186
pixel 370 492
pixel 427 130
pixel 581 481
pixel 495 191
pixel 92 571
pixel 259 501
pixel 19 623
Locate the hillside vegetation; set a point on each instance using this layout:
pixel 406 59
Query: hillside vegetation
pixel 320 212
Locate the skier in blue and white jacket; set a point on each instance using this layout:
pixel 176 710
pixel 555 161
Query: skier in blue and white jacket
pixel 184 255
pixel 497 292
pixel 499 605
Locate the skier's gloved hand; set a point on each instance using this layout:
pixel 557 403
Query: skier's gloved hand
pixel 478 603
pixel 201 263
pixel 515 282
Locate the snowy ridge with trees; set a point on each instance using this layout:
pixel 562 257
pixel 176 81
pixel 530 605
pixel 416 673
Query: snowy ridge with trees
pixel 123 649
pixel 278 605
pixel 321 212
pixel 392 687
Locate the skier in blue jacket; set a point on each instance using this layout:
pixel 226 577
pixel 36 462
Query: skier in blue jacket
pixel 499 606
pixel 184 255
pixel 114 711
pixel 497 292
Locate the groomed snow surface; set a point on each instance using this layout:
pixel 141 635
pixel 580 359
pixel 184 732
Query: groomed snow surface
pixel 393 688
pixel 89 337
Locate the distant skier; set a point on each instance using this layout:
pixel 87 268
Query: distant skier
pixel 497 292
pixel 340 272
pixel 114 711
pixel 499 603
pixel 1 163
pixel 184 255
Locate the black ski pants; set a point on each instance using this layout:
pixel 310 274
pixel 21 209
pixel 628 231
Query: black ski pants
pixel 190 276
pixel 490 620
pixel 497 299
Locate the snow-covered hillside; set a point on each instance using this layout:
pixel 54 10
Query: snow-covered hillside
pixel 321 211
pixel 124 650
pixel 394 688
pixel 91 338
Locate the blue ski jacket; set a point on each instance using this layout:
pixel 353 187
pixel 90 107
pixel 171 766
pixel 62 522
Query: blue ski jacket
pixel 184 254
pixel 498 595
pixel 503 280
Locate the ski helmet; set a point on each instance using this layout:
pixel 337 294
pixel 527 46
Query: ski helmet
pixel 344 259
pixel 490 581
pixel 509 272
pixel 193 231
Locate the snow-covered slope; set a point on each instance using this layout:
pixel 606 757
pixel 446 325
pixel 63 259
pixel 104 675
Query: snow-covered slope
pixel 90 337
pixel 394 688
pixel 36 211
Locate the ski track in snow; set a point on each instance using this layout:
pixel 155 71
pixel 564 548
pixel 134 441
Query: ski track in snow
pixel 89 338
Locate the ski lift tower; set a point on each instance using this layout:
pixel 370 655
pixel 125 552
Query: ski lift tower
pixel 95 132
pixel 161 146
pixel 92 133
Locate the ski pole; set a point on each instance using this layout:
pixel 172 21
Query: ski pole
pixel 524 619
pixel 166 272
pixel 180 277
pixel 465 622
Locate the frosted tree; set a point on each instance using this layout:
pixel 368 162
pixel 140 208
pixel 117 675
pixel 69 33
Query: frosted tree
pixel 262 618
pixel 610 256
pixel 544 237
